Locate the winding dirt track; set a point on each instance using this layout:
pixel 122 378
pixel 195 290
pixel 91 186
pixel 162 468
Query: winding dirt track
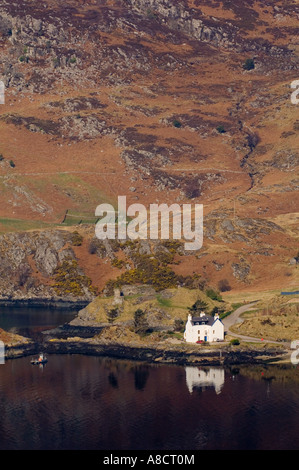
pixel 235 318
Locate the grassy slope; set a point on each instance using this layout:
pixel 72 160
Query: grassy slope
pixel 168 305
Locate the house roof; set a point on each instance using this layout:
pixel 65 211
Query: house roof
pixel 203 320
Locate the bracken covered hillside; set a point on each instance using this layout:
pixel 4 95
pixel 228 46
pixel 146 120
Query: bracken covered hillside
pixel 161 101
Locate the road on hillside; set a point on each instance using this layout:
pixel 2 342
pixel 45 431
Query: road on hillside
pixel 234 318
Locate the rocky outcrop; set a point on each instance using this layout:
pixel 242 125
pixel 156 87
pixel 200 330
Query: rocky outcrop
pixel 179 17
pixel 184 18
pixel 29 261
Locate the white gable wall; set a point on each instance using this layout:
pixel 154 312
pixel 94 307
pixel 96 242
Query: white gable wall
pixel 218 330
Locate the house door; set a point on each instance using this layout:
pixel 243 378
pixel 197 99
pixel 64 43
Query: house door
pixel 206 338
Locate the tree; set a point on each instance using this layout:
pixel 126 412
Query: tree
pixel 217 310
pixel 197 307
pixel 112 314
pixel 140 321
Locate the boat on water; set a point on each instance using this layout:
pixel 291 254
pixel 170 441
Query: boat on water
pixel 40 360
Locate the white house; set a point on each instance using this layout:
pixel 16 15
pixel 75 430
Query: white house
pixel 204 328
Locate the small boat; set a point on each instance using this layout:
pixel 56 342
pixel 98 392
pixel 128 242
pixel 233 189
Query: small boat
pixel 40 360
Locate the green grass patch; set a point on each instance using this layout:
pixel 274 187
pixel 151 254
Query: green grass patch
pixel 19 225
pixel 164 302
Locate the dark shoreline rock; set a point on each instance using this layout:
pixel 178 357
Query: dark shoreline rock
pixel 21 350
pixel 68 330
pixel 150 354
pixel 166 355
pixel 42 302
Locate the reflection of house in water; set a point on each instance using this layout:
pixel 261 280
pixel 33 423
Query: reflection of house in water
pixel 196 377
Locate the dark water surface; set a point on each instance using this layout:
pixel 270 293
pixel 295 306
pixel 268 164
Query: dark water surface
pixel 93 403
pixel 85 402
pixel 30 321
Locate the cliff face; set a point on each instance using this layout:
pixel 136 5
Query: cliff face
pixel 161 101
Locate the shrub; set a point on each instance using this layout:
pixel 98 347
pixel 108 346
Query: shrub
pixel 220 129
pixel 12 163
pixel 192 282
pixel 177 123
pixel 24 58
pixel 77 239
pixel 118 263
pixel 224 285
pixel 92 247
pixel 173 246
pixel 69 280
pixel 214 295
pixel 165 257
pixel 235 342
pixel 148 270
pixel 248 64
pixel 179 325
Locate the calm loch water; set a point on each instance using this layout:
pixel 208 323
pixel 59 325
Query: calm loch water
pixel 93 403
pixel 84 402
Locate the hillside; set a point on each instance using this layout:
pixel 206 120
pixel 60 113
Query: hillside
pixel 161 309
pixel 160 101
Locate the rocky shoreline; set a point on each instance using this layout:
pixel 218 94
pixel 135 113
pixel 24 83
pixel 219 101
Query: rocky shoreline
pixel 82 340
